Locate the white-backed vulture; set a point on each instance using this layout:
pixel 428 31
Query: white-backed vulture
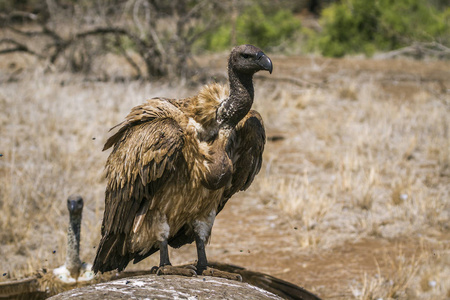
pixel 73 269
pixel 174 165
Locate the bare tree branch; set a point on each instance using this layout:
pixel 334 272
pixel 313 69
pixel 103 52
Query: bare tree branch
pixel 118 43
pixel 18 14
pixel 61 44
pixel 19 47
pixel 26 33
pixel 164 48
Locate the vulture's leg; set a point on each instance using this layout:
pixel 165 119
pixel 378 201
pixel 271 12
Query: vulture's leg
pixel 165 267
pixel 202 231
pixel 164 254
pixel 202 263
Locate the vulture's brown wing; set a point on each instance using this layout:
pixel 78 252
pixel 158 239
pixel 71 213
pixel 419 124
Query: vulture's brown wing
pixel 246 150
pixel 146 150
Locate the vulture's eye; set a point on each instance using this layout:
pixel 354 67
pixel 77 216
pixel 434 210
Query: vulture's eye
pixel 245 55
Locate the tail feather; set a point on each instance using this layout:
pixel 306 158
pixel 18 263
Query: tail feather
pixel 267 282
pixel 111 254
pixel 138 257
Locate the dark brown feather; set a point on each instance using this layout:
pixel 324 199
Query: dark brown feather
pixel 130 189
pixel 246 150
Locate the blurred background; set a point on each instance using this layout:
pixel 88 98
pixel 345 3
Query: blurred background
pixel 159 38
pixel 352 201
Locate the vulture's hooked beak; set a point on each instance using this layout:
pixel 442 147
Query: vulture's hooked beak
pixel 72 206
pixel 264 61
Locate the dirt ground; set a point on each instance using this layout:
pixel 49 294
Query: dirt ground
pixel 352 200
pixel 260 237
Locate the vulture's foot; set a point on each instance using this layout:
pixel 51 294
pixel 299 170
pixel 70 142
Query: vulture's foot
pixel 222 274
pixel 188 271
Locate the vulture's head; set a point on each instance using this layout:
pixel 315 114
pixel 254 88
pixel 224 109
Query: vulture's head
pixel 75 204
pixel 248 59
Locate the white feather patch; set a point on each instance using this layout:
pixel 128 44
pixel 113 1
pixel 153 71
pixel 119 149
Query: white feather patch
pixel 163 229
pixel 198 127
pixel 203 227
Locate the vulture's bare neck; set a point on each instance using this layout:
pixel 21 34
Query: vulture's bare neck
pixel 238 104
pixel 73 262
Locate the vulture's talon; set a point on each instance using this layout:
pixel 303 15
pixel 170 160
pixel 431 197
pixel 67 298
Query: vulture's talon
pixel 191 267
pixel 171 270
pixel 222 274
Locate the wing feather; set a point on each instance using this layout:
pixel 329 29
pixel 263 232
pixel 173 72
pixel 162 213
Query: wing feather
pixel 146 149
pixel 246 149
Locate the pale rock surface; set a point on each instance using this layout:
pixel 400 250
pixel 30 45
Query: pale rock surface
pixel 168 287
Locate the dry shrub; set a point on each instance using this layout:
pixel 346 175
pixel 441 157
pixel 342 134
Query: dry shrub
pixel 433 277
pixel 407 277
pixel 298 198
pixel 389 286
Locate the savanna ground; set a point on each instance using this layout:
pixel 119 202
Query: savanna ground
pixel 352 200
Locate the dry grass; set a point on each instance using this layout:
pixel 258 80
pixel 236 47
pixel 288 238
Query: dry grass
pixel 53 128
pixel 416 276
pixel 368 157
pixel 362 159
pixel 392 286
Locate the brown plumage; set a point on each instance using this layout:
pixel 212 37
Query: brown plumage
pixel 175 163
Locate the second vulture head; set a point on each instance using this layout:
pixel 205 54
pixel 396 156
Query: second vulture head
pixel 75 204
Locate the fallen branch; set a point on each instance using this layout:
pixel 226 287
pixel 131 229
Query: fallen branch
pixel 418 51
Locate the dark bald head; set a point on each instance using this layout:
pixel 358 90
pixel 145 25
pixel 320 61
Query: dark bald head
pixel 248 59
pixel 75 204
